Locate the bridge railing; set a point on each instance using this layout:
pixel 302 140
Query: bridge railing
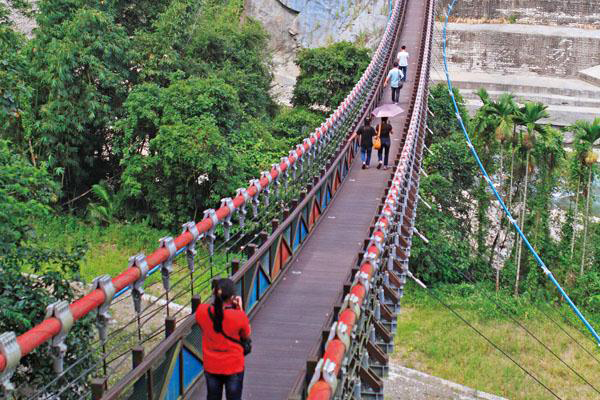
pixel 351 359
pixel 266 255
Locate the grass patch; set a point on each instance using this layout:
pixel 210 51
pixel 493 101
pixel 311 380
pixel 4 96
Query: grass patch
pixel 109 249
pixel 433 340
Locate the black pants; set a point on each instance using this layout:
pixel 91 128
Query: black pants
pixel 404 71
pixel 384 150
pixel 233 386
pixel 395 94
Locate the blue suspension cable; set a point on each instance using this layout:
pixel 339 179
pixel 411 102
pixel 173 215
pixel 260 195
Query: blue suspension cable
pixel 493 187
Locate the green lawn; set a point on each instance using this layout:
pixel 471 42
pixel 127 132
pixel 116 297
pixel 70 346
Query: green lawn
pixel 110 247
pixel 433 340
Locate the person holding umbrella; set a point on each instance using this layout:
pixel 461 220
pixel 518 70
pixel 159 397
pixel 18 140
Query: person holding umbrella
pixel 384 130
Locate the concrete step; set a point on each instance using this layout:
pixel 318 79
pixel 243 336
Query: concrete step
pixel 520 84
pixel 548 99
pixel 559 115
pixel 409 384
pixel 591 75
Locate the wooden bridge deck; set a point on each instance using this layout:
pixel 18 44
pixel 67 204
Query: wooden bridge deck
pixel 289 323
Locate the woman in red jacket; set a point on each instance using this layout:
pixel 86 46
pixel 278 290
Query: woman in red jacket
pixel 224 325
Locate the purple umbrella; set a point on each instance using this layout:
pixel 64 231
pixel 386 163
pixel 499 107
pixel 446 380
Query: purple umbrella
pixel 387 110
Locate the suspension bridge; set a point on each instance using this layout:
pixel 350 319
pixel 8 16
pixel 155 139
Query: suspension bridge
pixel 320 262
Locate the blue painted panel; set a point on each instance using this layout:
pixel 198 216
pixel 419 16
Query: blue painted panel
pixel 192 367
pixel 303 230
pixel 288 234
pixel 266 261
pixel 263 283
pixel 252 297
pixel 238 288
pixel 298 238
pixel 174 387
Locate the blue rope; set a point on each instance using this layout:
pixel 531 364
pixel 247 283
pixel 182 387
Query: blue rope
pixel 491 185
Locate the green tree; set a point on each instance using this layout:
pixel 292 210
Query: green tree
pixel 327 74
pixel 26 192
pixel 586 134
pixel 79 73
pixel 294 124
pixel 528 117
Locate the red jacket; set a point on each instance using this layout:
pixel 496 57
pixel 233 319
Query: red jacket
pixel 221 355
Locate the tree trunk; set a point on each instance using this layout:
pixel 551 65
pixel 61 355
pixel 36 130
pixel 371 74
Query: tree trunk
pixel 575 218
pixel 512 169
pixel 522 223
pixel 587 218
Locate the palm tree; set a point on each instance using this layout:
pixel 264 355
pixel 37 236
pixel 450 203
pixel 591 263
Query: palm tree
pixel 586 134
pixel 494 122
pixel 528 117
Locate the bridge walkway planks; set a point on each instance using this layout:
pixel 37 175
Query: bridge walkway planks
pixel 289 323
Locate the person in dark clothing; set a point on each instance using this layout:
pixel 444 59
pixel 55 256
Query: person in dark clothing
pixel 384 130
pixel 366 133
pixel 224 324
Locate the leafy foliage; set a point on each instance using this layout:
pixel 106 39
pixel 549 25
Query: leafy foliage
pixel 23 301
pixel 327 74
pixel 26 192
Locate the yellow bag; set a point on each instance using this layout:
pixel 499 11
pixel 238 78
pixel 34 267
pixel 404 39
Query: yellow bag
pixel 377 139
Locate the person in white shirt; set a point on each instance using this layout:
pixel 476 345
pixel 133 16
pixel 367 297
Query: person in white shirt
pixel 403 62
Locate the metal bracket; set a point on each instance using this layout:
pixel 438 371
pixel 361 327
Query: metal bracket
pixel 228 202
pixel 255 198
pixel 362 278
pixel 295 164
pixel 62 312
pixel 242 210
pixel 167 266
pixel 343 333
pixel 325 369
pixel 351 303
pixel 286 172
pixel 190 249
pixel 210 235
pixel 11 351
pixel 276 181
pixel 138 261
pixel 266 190
pixel 372 259
pixel 300 148
pixel 103 283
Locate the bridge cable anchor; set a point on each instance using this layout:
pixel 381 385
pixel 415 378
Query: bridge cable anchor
pixel 210 235
pixel 295 164
pixel 11 351
pixel 277 179
pixel 137 291
pixel 242 210
pixel 166 267
pixel 103 283
pixel 255 198
pixel 228 202
pixel 267 189
pixel 190 249
pixel 62 312
pixel 286 172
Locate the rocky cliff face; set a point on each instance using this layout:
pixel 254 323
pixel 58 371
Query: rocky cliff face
pixel 295 24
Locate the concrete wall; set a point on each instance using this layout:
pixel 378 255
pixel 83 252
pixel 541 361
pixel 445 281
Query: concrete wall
pixel 523 49
pixel 563 12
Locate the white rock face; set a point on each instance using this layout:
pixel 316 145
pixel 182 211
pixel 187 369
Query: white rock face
pixel 295 24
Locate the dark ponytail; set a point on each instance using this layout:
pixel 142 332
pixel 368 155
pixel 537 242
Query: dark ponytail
pixel 223 290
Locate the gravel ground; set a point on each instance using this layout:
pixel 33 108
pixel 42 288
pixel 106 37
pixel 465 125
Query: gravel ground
pixel 408 384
